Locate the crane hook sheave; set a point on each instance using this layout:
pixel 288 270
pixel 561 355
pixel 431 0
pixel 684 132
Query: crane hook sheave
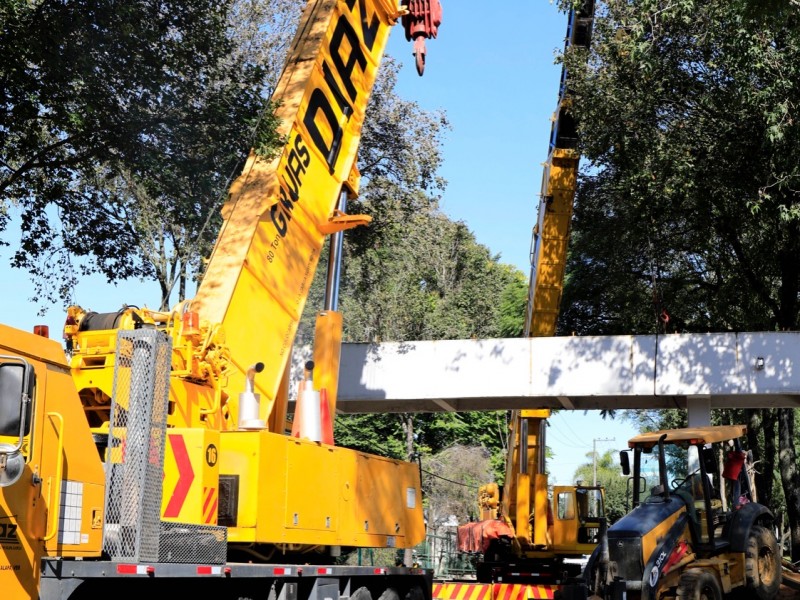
pixel 421 21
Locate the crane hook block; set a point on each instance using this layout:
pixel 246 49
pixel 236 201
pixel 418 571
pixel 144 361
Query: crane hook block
pixel 420 22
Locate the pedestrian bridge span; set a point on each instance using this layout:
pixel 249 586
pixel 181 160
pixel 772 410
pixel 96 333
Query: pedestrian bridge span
pixel 714 370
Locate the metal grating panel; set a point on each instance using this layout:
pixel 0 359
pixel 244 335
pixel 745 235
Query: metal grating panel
pixel 135 459
pixel 182 543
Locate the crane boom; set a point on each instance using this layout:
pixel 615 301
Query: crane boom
pixel 525 526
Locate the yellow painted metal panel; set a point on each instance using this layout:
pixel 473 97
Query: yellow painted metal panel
pixel 241 455
pixel 191 405
pixel 27 511
pixel 20 545
pixel 653 537
pixel 540 509
pixel 81 465
pixel 559 187
pixel 327 354
pixel 310 475
pixel 341 497
pixel 523 506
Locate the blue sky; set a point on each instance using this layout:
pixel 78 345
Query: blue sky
pixel 493 72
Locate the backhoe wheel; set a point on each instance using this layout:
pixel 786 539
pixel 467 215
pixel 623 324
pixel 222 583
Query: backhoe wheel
pixel 762 564
pixel 698 584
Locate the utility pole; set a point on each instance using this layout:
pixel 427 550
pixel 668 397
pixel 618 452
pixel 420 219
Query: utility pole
pixel 594 455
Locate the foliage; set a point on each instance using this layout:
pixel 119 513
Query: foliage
pixel 684 116
pixel 121 126
pixel 450 483
pixel 513 303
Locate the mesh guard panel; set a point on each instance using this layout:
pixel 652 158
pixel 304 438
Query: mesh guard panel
pixel 135 457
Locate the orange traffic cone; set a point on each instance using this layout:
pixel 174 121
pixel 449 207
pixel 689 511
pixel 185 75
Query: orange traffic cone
pixel 325 418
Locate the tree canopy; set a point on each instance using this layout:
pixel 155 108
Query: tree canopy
pixel 121 125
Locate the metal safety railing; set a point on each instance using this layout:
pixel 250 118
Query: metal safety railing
pixel 440 553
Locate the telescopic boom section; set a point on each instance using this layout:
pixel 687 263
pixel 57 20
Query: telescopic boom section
pixel 559 181
pixel 257 280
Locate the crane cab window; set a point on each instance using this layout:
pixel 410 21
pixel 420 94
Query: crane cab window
pixel 15 384
pixel 566 506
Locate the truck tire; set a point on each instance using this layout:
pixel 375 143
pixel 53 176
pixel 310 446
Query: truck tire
pixel 361 593
pixel 762 564
pixel 698 584
pixel 389 594
pixel 415 593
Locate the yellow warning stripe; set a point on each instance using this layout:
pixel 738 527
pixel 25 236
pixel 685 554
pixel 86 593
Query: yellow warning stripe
pixel 462 591
pixel 497 591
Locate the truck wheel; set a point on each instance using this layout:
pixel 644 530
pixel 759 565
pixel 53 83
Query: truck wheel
pixel 762 564
pixel 698 584
pixel 415 593
pixel 389 594
pixel 361 593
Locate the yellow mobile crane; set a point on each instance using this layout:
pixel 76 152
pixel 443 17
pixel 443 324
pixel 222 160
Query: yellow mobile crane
pixel 158 457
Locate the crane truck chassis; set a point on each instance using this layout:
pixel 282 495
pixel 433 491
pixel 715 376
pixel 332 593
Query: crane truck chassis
pixel 93 522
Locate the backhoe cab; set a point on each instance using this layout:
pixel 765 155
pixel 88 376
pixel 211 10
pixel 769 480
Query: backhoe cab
pixel 695 531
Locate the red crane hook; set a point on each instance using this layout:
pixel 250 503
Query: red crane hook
pixel 422 21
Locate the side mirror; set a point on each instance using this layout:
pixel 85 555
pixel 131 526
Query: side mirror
pixel 709 458
pixel 625 462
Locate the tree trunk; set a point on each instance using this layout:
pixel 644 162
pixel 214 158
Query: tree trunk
pixel 162 284
pixel 182 285
pixel 790 476
pixel 769 423
pixel 756 421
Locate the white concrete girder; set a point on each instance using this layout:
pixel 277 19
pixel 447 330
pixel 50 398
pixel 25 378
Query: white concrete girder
pixel 581 373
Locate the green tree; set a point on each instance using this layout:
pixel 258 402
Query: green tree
pixel 451 480
pixel 687 213
pixel 120 128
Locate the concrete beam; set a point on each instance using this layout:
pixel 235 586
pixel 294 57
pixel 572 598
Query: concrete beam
pixel 581 373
